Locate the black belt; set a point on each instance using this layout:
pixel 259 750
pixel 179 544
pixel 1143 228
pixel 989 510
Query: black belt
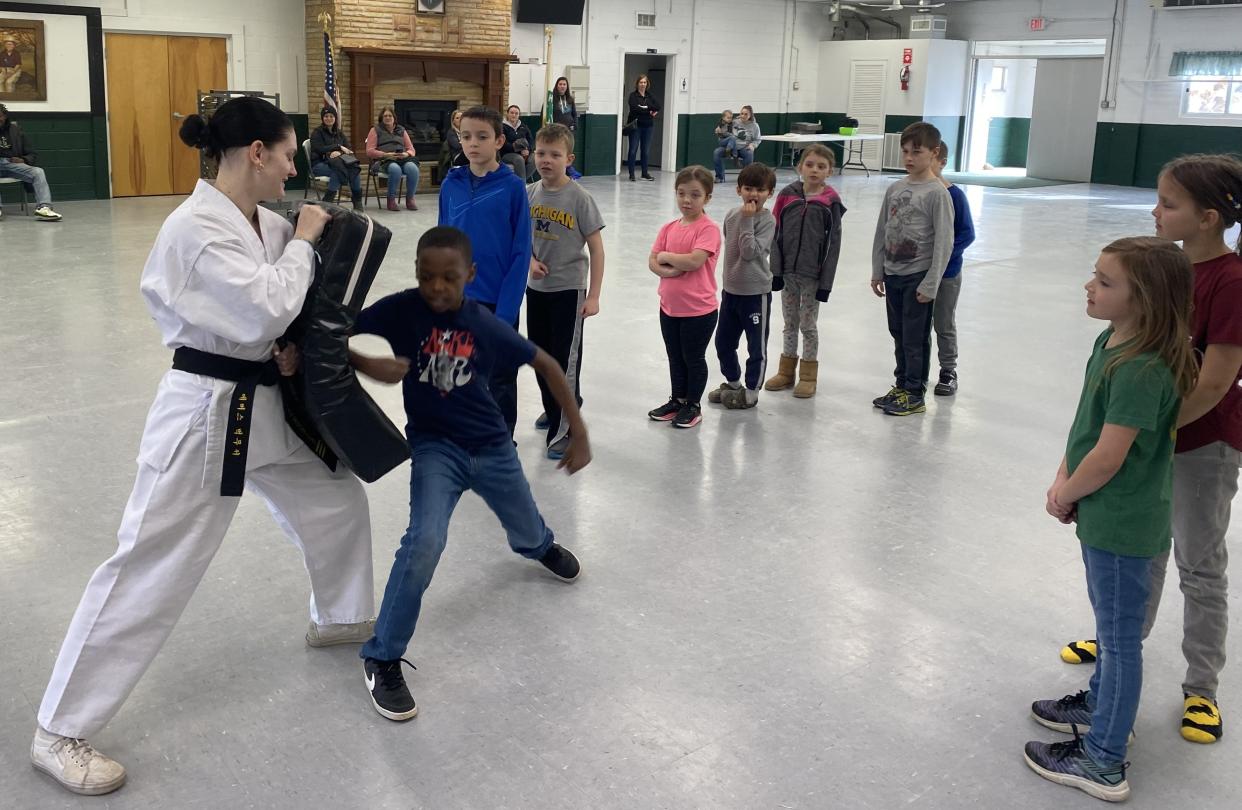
pixel 249 375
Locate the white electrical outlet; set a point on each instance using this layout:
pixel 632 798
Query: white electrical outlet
pixel 795 85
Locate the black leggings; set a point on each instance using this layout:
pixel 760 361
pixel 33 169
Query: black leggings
pixel 685 341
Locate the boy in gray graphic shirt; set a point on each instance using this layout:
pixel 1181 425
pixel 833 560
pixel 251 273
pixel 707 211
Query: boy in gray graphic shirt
pixel 563 289
pixel 913 243
pixel 747 298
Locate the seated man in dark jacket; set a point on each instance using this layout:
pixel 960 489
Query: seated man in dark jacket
pixel 17 159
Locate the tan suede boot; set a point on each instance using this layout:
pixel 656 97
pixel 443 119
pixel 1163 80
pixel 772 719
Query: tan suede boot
pixel 784 376
pixel 808 371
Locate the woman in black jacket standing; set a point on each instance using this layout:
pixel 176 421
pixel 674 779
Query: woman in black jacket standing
pixel 644 107
pixel 564 111
pixel 332 157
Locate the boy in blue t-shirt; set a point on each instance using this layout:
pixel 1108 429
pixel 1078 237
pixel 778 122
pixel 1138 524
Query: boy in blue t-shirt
pixel 458 439
pixel 488 201
pixel 944 313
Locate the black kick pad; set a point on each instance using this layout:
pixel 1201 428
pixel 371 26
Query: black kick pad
pixel 324 402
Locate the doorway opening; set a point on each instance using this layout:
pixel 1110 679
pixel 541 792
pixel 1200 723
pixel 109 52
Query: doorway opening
pixel 1015 123
pixel 657 69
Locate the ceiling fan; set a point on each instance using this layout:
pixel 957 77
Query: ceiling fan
pixel 896 5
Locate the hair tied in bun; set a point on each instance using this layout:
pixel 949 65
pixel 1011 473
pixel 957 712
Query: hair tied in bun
pixel 196 132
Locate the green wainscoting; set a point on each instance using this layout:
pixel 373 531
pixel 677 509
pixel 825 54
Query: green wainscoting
pixel 696 139
pixel 1133 154
pixel 72 150
pixel 1007 141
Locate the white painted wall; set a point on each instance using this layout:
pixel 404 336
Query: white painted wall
pixel 938 75
pixel 730 52
pixel 68 72
pixel 1145 38
pixel 266 37
pixel 1016 99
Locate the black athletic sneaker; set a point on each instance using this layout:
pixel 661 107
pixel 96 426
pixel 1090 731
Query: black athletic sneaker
pixel 389 694
pixel 883 399
pixel 1067 763
pixel 947 386
pixel 666 412
pixel 542 422
pixel 1065 714
pixel 561 562
pixel 689 416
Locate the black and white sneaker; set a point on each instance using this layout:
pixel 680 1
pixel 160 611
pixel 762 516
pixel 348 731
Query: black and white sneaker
pixel 389 694
pixel 947 385
pixel 666 412
pixel 561 562
pixel 46 214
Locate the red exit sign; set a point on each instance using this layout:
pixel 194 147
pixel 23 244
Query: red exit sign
pixel 1038 23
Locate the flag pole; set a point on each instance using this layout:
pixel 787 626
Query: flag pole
pixel 548 112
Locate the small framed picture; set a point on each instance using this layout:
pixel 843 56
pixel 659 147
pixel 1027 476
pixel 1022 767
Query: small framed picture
pixel 431 6
pixel 23 73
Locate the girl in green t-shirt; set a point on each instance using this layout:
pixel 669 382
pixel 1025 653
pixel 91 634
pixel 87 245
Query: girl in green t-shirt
pixel 1115 483
pixel 1199 200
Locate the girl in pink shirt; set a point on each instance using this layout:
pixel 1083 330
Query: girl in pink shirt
pixel 684 257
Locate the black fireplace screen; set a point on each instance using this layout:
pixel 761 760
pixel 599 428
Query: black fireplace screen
pixel 427 122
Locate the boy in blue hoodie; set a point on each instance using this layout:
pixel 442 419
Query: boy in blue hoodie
pixel 488 202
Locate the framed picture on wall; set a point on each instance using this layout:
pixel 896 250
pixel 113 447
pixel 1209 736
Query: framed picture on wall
pixel 23 72
pixel 431 6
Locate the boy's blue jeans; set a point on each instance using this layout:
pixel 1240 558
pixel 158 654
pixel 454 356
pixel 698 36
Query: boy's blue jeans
pixel 28 174
pixel 441 471
pixel 1118 587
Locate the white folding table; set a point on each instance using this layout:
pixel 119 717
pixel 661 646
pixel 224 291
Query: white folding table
pixel 853 146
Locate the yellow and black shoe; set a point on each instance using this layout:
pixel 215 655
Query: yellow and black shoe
pixel 1201 720
pixel 1080 652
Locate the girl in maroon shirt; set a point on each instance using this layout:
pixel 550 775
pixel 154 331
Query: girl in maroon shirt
pixel 1200 199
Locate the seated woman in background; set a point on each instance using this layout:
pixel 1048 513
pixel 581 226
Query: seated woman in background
pixel 518 143
pixel 331 157
pixel 389 145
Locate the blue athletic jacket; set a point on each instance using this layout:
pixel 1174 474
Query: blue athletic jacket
pixel 494 212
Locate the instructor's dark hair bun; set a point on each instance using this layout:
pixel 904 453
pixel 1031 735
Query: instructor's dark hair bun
pixel 196 132
pixel 239 122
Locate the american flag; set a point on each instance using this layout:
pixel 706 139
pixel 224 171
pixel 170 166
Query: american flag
pixel 329 77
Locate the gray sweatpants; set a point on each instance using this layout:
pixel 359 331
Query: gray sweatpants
pixel 1204 483
pixel 944 319
pixel 801 313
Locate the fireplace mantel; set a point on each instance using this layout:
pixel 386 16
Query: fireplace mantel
pixel 373 65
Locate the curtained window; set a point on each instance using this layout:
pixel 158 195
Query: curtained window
pixel 1213 81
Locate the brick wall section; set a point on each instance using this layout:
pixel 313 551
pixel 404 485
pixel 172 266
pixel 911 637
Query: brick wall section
pixel 467 26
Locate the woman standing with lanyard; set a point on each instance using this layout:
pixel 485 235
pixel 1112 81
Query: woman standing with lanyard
pixel 223 282
pixel 644 107
pixel 564 110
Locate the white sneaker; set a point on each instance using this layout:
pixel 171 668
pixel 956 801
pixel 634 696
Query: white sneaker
pixel 328 635
pixel 46 213
pixel 75 764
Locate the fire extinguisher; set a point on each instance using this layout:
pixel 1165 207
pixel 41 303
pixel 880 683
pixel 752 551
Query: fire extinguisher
pixel 904 77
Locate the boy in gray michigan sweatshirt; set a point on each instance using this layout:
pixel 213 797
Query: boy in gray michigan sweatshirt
pixel 746 303
pixel 913 243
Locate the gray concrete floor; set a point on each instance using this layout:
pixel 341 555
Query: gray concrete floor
pixel 805 605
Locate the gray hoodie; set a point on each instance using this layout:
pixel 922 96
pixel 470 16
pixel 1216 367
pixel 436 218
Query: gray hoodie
pixel 747 134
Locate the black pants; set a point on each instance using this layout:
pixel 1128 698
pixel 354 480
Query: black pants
pixel 554 324
pixel 749 315
pixel 685 340
pixel 503 385
pixel 910 324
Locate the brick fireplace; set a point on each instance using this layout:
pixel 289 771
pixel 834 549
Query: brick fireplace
pixel 385 54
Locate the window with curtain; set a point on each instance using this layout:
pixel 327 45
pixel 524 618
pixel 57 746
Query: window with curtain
pixel 1213 81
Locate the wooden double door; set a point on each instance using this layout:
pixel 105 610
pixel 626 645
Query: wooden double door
pixel 153 83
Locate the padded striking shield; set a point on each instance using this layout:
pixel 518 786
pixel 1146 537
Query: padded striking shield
pixel 325 396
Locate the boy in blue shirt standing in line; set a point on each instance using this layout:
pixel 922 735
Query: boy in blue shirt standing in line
pixel 446 348
pixel 488 202
pixel 944 313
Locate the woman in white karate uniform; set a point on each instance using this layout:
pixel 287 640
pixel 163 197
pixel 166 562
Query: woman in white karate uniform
pixel 224 280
